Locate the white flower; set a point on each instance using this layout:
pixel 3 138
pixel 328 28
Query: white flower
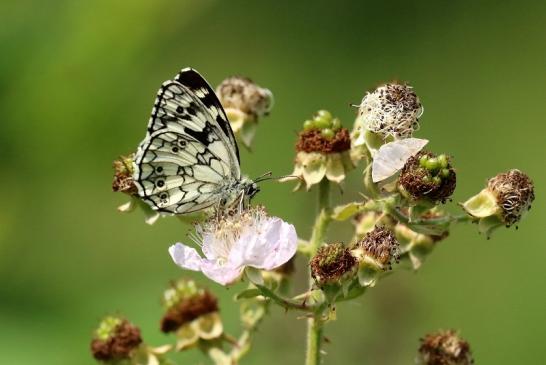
pixel 229 244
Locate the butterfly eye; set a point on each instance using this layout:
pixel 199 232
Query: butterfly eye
pixel 160 183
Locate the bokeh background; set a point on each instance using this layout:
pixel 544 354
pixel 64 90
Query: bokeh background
pixel 78 79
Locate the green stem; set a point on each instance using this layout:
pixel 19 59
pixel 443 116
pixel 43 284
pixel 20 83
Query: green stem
pixel 323 219
pixel 283 302
pixel 314 341
pixel 314 324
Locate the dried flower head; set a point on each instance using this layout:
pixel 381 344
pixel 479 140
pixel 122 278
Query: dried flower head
pixel 391 110
pixel 332 263
pixel 444 348
pixel 322 150
pixel 380 245
pixel 115 339
pixel 507 197
pixel 232 242
pixel 123 175
pixel 514 192
pixel 243 94
pixel 245 103
pixel 185 302
pixel 426 176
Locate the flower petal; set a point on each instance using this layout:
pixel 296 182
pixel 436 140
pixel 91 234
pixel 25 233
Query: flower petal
pixel 222 274
pixel 186 257
pixel 285 247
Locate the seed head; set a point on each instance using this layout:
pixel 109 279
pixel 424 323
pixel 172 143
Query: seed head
pixel 381 245
pixel 242 94
pixel 331 263
pixel 426 176
pixel 514 192
pixel 123 175
pixel 444 348
pixel 314 141
pixel 391 110
pixel 186 302
pixel 115 339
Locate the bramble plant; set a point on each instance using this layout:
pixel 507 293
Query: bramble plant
pixel 397 223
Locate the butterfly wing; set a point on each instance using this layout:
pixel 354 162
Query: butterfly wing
pixel 189 153
pixel 392 156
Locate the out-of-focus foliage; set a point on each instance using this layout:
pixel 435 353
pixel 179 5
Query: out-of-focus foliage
pixel 78 79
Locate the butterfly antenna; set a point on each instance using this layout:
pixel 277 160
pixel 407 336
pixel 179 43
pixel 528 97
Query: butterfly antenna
pixel 268 176
pixel 352 105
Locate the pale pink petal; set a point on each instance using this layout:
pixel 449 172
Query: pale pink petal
pixel 207 246
pixel 284 248
pixel 222 274
pixel 186 257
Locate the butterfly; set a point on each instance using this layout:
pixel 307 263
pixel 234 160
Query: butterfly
pixel 189 160
pixel 392 156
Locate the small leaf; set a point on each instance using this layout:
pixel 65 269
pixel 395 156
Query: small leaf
pixel 254 275
pixel 248 293
pixel 345 212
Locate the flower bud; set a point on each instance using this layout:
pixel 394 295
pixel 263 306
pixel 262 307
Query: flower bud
pixel 244 103
pixel 192 313
pixel 391 110
pixel 115 339
pixel 332 264
pixel 444 348
pixel 428 177
pixel 322 151
pixel 375 253
pixel 507 197
pixel 123 176
pixel 416 246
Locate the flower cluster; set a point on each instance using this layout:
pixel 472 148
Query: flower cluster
pixel 398 217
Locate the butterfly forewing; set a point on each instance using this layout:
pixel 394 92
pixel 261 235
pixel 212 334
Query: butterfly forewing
pixel 189 153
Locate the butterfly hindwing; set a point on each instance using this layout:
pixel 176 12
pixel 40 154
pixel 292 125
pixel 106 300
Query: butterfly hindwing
pixel 186 159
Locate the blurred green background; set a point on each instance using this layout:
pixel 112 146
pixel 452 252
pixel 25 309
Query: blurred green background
pixel 78 79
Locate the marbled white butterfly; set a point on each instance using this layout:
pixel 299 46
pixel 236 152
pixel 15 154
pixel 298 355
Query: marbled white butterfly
pixel 189 159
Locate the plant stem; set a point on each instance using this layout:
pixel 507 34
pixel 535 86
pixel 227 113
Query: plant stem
pixel 314 324
pixel 314 340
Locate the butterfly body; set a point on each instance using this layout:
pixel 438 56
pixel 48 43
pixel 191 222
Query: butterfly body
pixel 189 159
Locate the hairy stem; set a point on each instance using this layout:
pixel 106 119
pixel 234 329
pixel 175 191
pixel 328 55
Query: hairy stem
pixel 314 324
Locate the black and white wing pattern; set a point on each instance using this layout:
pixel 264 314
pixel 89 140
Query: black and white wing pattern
pixel 189 156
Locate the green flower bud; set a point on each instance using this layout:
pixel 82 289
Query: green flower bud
pixel 444 348
pixel 423 161
pixel 443 161
pixel 432 164
pixel 327 133
pixel 308 125
pixel 322 123
pixel 336 124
